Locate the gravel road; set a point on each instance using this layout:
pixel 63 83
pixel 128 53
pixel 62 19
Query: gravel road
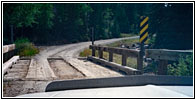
pixel 70 53
pixel 40 71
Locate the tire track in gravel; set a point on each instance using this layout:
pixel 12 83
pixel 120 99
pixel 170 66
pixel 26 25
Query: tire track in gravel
pixel 40 73
pixel 90 69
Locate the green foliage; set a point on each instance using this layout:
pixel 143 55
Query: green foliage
pixel 20 15
pixel 151 41
pixel 151 68
pixel 72 22
pixel 45 16
pixel 88 52
pixel 184 67
pixel 173 28
pixel 29 50
pixel 25 48
pixel 122 35
pixel 20 41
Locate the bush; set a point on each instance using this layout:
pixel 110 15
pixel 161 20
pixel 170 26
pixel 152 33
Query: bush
pixel 25 47
pixel 151 68
pixel 85 53
pixel 184 67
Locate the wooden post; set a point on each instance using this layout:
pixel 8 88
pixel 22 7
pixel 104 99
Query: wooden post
pixel 100 52
pixel 93 51
pixel 140 58
pixel 162 67
pixel 139 63
pixel 124 60
pixel 92 36
pixel 110 56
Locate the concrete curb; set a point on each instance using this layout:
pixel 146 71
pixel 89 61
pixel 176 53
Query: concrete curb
pixel 132 80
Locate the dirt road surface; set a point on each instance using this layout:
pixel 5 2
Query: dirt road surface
pixel 42 71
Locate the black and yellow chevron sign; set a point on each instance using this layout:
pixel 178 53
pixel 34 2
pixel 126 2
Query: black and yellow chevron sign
pixel 143 29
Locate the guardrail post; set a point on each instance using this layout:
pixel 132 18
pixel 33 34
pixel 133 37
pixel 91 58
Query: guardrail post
pixel 110 56
pixel 162 67
pixel 124 60
pixel 100 52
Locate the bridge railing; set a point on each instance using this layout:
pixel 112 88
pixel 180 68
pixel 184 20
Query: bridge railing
pixel 165 55
pixel 7 48
pixel 8 51
pixel 160 55
pixel 9 57
pixel 121 51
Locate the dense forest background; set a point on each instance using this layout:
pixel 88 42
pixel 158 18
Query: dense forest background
pixel 170 25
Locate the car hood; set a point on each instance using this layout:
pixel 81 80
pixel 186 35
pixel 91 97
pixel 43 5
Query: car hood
pixel 146 91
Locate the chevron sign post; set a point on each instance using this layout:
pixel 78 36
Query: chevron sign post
pixel 143 29
pixel 143 37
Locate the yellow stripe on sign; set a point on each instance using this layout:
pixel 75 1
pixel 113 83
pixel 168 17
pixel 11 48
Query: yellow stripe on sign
pixel 143 37
pixel 144 21
pixel 143 29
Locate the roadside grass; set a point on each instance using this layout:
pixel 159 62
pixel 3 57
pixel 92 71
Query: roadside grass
pixel 25 47
pixel 122 35
pixel 131 61
pixel 87 52
pixel 125 42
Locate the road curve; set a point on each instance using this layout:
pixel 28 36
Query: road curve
pixel 39 73
pixel 40 69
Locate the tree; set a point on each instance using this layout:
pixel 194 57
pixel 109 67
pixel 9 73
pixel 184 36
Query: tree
pixel 41 30
pixel 67 23
pixel 23 16
pixel 173 28
pixel 18 15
